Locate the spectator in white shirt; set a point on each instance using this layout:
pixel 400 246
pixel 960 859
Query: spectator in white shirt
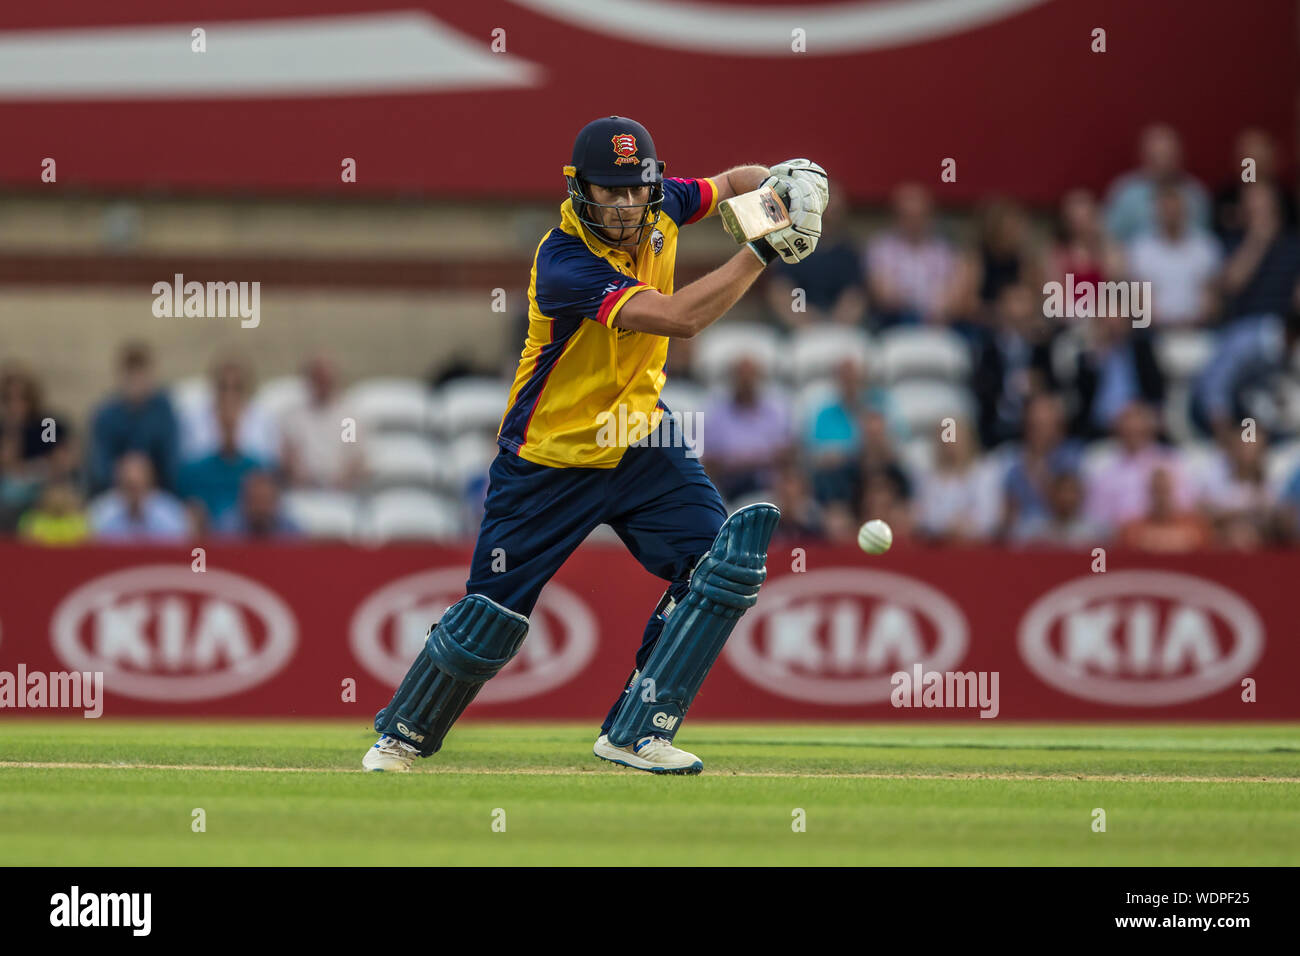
pixel 959 500
pixel 914 274
pixel 1181 261
pixel 317 452
pixel 1237 496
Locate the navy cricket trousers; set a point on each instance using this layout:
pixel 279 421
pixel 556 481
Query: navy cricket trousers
pixel 658 500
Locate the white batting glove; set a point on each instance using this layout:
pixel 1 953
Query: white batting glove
pixel 805 170
pixel 802 202
pixel 798 240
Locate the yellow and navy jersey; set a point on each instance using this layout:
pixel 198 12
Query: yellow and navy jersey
pixel 578 373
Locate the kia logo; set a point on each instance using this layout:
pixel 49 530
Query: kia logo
pixel 389 628
pixel 836 636
pixel 1141 638
pixel 163 632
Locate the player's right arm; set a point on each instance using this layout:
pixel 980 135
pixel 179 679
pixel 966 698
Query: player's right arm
pixel 694 307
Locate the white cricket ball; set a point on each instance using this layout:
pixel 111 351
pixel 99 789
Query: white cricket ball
pixel 875 537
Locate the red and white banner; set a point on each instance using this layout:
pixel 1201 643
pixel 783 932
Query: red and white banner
pixel 443 98
pixel 328 631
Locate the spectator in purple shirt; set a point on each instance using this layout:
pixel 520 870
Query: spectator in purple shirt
pixel 746 433
pixel 1119 489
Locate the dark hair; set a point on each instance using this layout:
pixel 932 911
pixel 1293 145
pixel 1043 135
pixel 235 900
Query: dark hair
pixel 135 356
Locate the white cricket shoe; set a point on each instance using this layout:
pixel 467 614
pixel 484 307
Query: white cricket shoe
pixel 390 755
pixel 655 754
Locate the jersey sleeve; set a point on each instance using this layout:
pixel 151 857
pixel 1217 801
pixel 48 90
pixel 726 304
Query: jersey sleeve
pixel 689 200
pixel 573 284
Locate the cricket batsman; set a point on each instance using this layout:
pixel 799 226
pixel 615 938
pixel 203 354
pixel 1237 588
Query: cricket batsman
pixel 601 310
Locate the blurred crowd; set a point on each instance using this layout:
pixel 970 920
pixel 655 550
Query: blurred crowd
pixel 152 466
pixel 1070 432
pixel 1067 431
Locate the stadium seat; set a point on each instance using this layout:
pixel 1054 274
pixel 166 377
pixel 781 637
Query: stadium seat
pixel 469 456
pixel 1065 351
pixel 405 459
pixel 391 404
pixel 1182 353
pixel 279 395
pixel 684 396
pixel 918 455
pixel 924 404
pixel 722 345
pixel 190 394
pixel 1177 412
pixel 1199 460
pixel 411 514
pixel 323 514
pixel 816 350
pixel 919 352
pixel 473 403
pixel 1282 463
pixel 1097 456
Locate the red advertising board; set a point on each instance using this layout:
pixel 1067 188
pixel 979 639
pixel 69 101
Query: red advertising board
pixel 445 98
pixel 288 630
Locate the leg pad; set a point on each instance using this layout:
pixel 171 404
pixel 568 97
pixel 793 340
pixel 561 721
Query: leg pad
pixel 723 586
pixel 473 641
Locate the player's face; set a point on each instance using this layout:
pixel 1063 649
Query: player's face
pixel 620 211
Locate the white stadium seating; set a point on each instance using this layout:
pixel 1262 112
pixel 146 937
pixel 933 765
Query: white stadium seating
pixel 278 395
pixel 815 351
pixel 683 396
pixel 919 352
pixel 473 403
pixel 190 394
pixel 387 404
pixel 323 514
pixel 406 459
pixel 411 514
pixel 924 404
pixel 718 349
pixel 1282 463
pixel 1182 353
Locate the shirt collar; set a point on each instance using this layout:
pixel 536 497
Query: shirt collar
pixel 570 223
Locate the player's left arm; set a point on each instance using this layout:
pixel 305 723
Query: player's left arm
pixel 737 180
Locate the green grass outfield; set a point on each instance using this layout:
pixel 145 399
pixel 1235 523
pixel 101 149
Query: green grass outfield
pixel 90 792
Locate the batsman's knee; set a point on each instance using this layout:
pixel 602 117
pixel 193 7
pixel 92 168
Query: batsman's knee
pixel 731 573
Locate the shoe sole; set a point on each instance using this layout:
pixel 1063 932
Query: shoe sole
pixel 369 769
pixel 690 771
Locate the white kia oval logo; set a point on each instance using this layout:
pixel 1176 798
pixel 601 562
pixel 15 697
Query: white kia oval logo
pixel 164 632
pixel 836 636
pixel 389 628
pixel 1141 638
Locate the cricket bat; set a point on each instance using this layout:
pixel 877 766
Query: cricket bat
pixel 753 215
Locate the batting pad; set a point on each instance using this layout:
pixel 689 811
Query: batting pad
pixel 724 586
pixel 473 641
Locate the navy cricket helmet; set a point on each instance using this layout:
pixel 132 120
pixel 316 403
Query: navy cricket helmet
pixel 615 152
